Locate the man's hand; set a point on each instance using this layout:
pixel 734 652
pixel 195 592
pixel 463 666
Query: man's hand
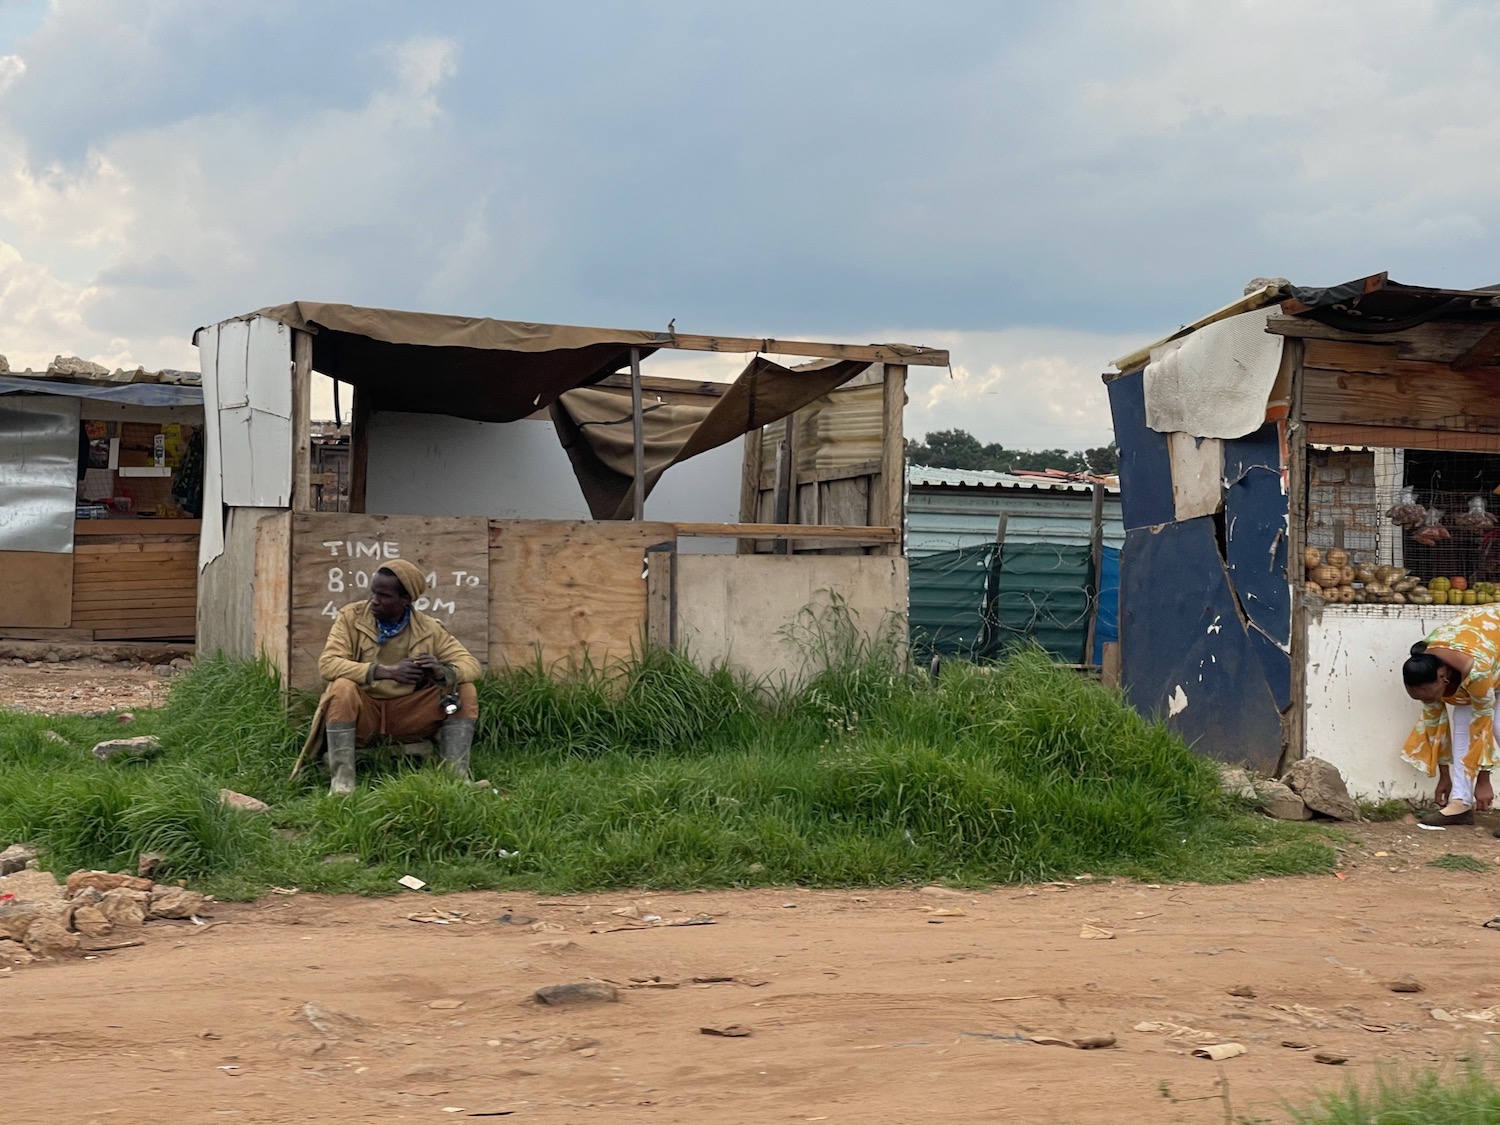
pixel 406 672
pixel 1444 788
pixel 1484 793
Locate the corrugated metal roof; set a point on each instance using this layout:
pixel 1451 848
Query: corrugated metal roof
pixel 922 475
pixel 946 518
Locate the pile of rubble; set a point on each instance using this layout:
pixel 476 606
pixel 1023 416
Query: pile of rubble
pixel 1311 787
pixel 74 369
pixel 94 911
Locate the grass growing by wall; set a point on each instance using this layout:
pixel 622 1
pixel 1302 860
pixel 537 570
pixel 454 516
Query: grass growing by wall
pixel 661 775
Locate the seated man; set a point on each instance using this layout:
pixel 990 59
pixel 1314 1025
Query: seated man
pixel 394 671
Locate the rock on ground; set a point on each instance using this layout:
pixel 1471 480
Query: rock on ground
pixel 125 907
pixel 1277 800
pixel 14 953
pixel 142 746
pixel 585 992
pixel 103 881
pixel 16 857
pixel 91 922
pixel 175 902
pixel 49 937
pixel 32 886
pixel 1321 787
pixel 1236 782
pixel 242 801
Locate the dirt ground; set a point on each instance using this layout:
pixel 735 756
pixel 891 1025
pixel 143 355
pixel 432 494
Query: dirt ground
pixel 81 687
pixel 874 1005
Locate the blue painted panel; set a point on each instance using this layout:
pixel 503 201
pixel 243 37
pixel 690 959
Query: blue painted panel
pixel 1145 465
pixel 1262 449
pixel 1108 627
pixel 1181 636
pixel 1276 665
pixel 1255 525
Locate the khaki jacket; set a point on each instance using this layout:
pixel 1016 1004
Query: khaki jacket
pixel 353 651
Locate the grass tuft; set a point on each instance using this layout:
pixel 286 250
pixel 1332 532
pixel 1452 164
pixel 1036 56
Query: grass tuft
pixel 660 775
pixel 1464 1095
pixel 1451 862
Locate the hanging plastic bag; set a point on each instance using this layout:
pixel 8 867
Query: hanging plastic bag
pixel 1406 512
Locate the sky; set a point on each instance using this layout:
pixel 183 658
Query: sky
pixel 1038 187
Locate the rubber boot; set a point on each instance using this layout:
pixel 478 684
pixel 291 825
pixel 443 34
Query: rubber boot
pixel 341 758
pixel 455 736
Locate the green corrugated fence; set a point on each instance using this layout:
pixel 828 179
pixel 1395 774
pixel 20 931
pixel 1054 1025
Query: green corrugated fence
pixel 976 602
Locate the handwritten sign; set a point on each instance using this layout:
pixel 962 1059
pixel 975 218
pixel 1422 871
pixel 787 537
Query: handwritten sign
pixel 335 556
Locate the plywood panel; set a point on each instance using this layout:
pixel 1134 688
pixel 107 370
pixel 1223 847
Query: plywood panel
pixel 1197 474
pixel 569 590
pixel 272 596
pixel 38 589
pixel 335 554
pixel 133 579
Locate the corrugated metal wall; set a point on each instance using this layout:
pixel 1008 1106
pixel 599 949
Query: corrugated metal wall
pixel 945 519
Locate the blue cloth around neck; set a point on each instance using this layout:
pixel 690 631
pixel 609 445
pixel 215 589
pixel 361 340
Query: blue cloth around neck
pixel 384 632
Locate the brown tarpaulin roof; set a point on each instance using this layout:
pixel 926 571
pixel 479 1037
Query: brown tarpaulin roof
pixel 595 426
pixel 464 366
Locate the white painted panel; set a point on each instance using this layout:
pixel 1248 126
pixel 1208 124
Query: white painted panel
pixel 211 537
pixel 736 609
pixel 232 354
pixel 1358 714
pixel 430 464
pixel 704 489
pixel 268 367
pixel 257 460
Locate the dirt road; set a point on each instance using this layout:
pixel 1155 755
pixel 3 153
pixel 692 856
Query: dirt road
pixel 80 687
pixel 862 1005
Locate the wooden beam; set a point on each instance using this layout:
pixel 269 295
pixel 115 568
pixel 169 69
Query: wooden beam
pixel 875 353
pixel 789 531
pixel 1467 401
pixel 750 483
pixel 1096 564
pixel 784 492
pixel 302 348
pixel 893 451
pixel 1294 724
pixel 359 449
pixel 638 433
pixel 1402 437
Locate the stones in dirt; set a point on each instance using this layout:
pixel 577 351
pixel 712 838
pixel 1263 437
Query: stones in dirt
pixel 142 746
pixel 1236 782
pixel 1405 984
pixel 582 992
pixel 102 881
pixel 14 953
pixel 176 902
pixel 91 922
pixel 50 937
pixel 1321 787
pixel 16 857
pixel 1276 799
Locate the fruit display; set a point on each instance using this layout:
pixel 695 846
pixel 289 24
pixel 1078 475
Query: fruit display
pixel 1406 512
pixel 1477 518
pixel 1335 577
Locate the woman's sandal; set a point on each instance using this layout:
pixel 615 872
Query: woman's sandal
pixel 1443 820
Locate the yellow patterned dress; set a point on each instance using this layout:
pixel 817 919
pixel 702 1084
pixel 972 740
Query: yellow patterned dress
pixel 1474 632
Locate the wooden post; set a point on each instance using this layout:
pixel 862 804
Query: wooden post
pixel 893 454
pixel 639 432
pixel 1294 727
pixel 301 421
pixel 359 449
pixel 750 471
pixel 786 482
pixel 1096 563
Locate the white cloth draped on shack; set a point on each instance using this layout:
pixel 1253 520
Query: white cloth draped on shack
pixel 1214 382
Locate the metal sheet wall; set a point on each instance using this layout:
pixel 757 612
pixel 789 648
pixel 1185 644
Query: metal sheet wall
pixel 39 437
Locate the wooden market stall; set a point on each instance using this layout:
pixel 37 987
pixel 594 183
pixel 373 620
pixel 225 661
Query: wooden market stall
pixel 515 463
pixel 1358 424
pixel 100 477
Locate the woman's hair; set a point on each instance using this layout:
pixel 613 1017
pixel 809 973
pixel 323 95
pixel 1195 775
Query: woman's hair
pixel 1421 667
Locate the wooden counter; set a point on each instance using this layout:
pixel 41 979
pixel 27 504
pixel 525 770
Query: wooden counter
pixel 135 579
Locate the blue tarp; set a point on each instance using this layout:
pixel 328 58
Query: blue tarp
pixel 132 394
pixel 1107 629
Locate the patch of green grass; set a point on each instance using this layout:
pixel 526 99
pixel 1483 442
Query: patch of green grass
pixel 659 775
pixel 1383 810
pixel 1451 862
pixel 1464 1095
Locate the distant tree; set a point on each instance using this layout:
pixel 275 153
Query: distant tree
pixel 959 449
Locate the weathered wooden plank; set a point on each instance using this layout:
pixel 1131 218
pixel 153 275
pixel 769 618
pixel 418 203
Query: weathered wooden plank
pixel 1438 341
pixel 1397 437
pixel 661 595
pixel 788 531
pixel 136 529
pixel 302 348
pixel 334 555
pixel 271 602
pixel 38 589
pixel 166 631
pixel 1483 352
pixel 893 453
pixel 1455 400
pixel 359 450
pixel 567 591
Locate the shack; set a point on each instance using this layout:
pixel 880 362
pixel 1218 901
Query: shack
pixel 518 464
pixel 100 479
pixel 999 559
pixel 1306 474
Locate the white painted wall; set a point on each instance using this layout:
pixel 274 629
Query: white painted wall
pixel 431 464
pixel 1358 714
